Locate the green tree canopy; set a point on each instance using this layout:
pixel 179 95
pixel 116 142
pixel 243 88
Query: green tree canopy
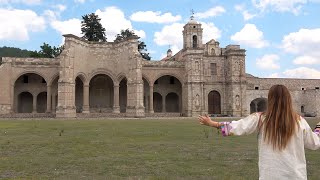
pixel 92 29
pixel 142 47
pixel 47 51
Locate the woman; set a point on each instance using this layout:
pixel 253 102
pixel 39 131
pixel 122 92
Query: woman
pixel 283 135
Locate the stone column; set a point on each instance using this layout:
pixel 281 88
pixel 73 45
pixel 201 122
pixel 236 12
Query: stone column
pixel 116 107
pixel 86 107
pixel 49 99
pixel 151 100
pixel 163 104
pixel 34 109
pixel 54 103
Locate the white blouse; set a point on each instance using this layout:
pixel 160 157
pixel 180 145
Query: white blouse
pixel 289 163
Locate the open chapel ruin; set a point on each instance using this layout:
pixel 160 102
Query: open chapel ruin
pixel 92 79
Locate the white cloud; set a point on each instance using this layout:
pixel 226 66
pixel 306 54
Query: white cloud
pixel 20 24
pixel 113 19
pixel 250 36
pixel 293 6
pixel 245 13
pixel 172 34
pixel 247 16
pixel 60 7
pixel 71 26
pixel 154 17
pixel 305 44
pixel 28 2
pixel 80 1
pixel 306 60
pixel 268 62
pixel 305 41
pixel 302 72
pixel 215 11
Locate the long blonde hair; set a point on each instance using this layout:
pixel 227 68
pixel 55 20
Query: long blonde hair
pixel 281 121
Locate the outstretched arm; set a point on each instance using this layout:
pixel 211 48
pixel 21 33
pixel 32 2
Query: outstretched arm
pixel 311 138
pixel 243 126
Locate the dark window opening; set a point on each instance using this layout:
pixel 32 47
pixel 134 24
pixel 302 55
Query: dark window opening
pixel 302 109
pixel 302 89
pixel 156 82
pixel 25 79
pixel 194 41
pixel 194 26
pixel 256 88
pixel 171 80
pixel 43 81
pixel 317 87
pixel 213 69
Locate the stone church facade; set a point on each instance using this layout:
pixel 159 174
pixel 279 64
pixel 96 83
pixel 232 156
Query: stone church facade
pixel 112 79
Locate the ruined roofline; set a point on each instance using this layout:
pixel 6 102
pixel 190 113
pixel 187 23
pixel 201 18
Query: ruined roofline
pixel 278 78
pixel 95 42
pixel 30 61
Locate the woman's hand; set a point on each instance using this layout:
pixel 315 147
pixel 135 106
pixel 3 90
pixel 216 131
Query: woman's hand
pixel 206 120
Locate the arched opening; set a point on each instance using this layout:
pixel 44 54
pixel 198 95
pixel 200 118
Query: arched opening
pixel 25 102
pixel 101 94
pixel 194 41
pixel 166 85
pixel 214 103
pixel 146 95
pixel 123 95
pixel 302 109
pixel 213 52
pixel 157 102
pixel 258 105
pixel 42 102
pixel 172 102
pixel 32 83
pixel 79 95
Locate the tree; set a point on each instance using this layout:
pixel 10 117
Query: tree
pixel 92 29
pixel 127 34
pixel 47 51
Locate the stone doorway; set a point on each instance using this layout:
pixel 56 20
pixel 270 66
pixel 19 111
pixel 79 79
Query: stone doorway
pixel 258 105
pixel 214 103
pixel 172 102
pixel 42 102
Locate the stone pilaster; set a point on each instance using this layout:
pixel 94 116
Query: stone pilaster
pixel 116 107
pixel 86 107
pixel 48 99
pixel 151 110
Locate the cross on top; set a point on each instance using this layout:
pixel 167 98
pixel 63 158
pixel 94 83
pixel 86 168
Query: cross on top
pixel 192 13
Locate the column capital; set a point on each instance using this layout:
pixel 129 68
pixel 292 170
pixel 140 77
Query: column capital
pixel 86 85
pixel 116 86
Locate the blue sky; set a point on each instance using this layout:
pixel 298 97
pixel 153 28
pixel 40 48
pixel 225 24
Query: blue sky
pixel 282 37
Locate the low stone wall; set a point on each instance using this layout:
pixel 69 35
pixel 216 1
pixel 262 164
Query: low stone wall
pixel 5 109
pixel 27 115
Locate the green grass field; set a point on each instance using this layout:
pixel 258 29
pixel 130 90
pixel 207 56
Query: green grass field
pixel 128 149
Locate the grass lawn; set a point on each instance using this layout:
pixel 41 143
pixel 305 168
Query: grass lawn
pixel 128 149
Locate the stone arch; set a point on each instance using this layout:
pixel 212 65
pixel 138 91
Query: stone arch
pixel 104 72
pixel 123 91
pixel 79 85
pixel 168 84
pixel 28 82
pixel 82 76
pixel 157 102
pixel 167 74
pixel 25 102
pixel 172 102
pixel 147 79
pixel 214 102
pixel 29 72
pixel 258 105
pixel 101 93
pixel 42 102
pixel 120 77
pixel 53 78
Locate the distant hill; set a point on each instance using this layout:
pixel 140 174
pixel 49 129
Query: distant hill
pixel 14 52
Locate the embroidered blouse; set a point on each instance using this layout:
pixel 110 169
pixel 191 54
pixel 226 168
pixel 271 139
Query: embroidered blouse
pixel 289 163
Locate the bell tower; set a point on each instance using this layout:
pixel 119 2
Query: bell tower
pixel 192 34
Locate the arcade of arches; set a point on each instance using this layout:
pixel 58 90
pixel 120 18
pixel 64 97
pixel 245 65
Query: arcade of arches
pixel 32 94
